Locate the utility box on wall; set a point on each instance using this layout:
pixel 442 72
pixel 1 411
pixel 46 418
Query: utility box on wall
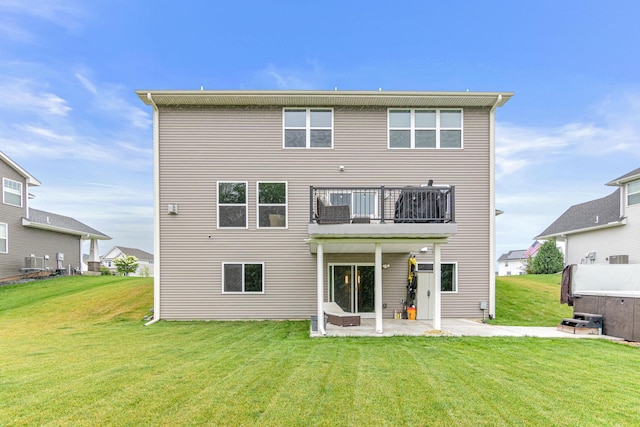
pixel 619 259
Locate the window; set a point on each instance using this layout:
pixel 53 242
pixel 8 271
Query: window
pixel 232 205
pixel 272 204
pixel 633 193
pixel 4 238
pixel 12 194
pixel 449 275
pixel 362 203
pixel 308 128
pixel 425 128
pixel 243 277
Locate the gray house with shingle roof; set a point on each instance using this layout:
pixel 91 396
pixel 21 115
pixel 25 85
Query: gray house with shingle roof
pixel 512 263
pixel 32 240
pixel 605 230
pixel 145 260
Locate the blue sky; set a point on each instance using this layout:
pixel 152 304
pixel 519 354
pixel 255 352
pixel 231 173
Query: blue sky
pixel 69 116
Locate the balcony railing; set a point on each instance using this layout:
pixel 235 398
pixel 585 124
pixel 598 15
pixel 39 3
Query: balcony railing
pixel 343 205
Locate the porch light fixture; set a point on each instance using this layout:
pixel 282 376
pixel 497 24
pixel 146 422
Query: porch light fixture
pixel 385 266
pixel 341 168
pixel 424 250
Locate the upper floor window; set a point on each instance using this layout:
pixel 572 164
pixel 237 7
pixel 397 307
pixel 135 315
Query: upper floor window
pixel 242 277
pixel 633 193
pixel 4 238
pixel 272 204
pixel 232 204
pixel 423 128
pixel 12 194
pixel 308 128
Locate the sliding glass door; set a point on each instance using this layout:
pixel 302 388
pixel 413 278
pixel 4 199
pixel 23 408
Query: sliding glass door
pixel 353 287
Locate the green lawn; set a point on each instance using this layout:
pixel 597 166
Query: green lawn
pixel 529 300
pixel 73 351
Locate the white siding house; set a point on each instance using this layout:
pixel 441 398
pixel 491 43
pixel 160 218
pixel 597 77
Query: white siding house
pixel 602 231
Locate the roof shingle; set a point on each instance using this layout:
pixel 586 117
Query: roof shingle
pixel 593 214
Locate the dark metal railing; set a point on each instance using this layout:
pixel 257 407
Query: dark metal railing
pixel 342 205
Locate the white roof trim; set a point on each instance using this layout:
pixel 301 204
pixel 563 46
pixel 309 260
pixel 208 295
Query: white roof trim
pixel 83 235
pixel 311 98
pixel 30 179
pixel 584 230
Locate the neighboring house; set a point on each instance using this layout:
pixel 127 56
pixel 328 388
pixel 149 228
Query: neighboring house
pixel 513 263
pixel 270 203
pixel 145 260
pixel 32 240
pixel 602 231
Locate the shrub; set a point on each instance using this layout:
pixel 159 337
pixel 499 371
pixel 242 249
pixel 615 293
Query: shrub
pixel 549 259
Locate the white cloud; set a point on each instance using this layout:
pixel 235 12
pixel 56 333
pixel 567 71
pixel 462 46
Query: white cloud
pixel 21 94
pixel 293 78
pixel 114 99
pixel 614 129
pixel 64 13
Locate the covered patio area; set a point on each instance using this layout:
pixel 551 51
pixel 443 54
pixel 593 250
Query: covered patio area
pixel 449 327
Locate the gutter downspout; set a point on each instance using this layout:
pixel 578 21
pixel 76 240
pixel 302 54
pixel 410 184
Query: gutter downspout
pixel 492 208
pixel 156 212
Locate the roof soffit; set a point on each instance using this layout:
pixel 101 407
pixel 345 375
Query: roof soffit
pixel 325 98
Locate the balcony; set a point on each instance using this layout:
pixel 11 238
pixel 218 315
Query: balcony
pixel 397 217
pixel 380 205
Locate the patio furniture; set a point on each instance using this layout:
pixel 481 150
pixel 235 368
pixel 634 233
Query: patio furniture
pixel 337 316
pixel 328 214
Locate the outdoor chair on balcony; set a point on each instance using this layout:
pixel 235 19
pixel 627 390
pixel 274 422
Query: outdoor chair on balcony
pixel 327 214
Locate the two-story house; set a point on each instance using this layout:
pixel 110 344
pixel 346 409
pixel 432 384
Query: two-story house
pixel 145 260
pixel 32 240
pixel 270 203
pixel 602 231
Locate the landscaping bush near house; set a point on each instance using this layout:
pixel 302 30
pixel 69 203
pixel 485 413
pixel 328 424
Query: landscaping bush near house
pixel 79 355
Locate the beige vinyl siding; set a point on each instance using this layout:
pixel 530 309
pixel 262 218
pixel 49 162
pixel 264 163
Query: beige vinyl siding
pixel 198 147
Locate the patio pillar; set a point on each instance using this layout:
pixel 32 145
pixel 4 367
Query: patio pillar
pixel 378 287
pixel 320 278
pixel 437 269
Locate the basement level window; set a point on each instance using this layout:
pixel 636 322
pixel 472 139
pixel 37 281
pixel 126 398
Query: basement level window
pixel 242 278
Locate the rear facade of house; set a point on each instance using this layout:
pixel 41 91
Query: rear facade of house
pixel 267 202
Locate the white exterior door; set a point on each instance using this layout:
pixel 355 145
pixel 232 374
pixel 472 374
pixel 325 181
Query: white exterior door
pixel 425 295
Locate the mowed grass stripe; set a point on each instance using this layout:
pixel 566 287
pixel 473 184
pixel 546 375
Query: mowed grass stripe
pixel 99 365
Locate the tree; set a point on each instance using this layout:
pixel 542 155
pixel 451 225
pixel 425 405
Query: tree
pixel 527 265
pixel 126 264
pixel 549 259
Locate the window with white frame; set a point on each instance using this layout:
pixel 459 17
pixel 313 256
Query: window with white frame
pixel 633 193
pixel 308 127
pixel 448 275
pixel 272 204
pixel 4 238
pixel 12 194
pixel 362 203
pixel 242 277
pixel 232 204
pixel 425 128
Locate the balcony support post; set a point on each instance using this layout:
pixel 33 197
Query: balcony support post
pixel 378 287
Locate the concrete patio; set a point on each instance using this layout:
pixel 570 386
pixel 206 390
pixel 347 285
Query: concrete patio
pixel 450 327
